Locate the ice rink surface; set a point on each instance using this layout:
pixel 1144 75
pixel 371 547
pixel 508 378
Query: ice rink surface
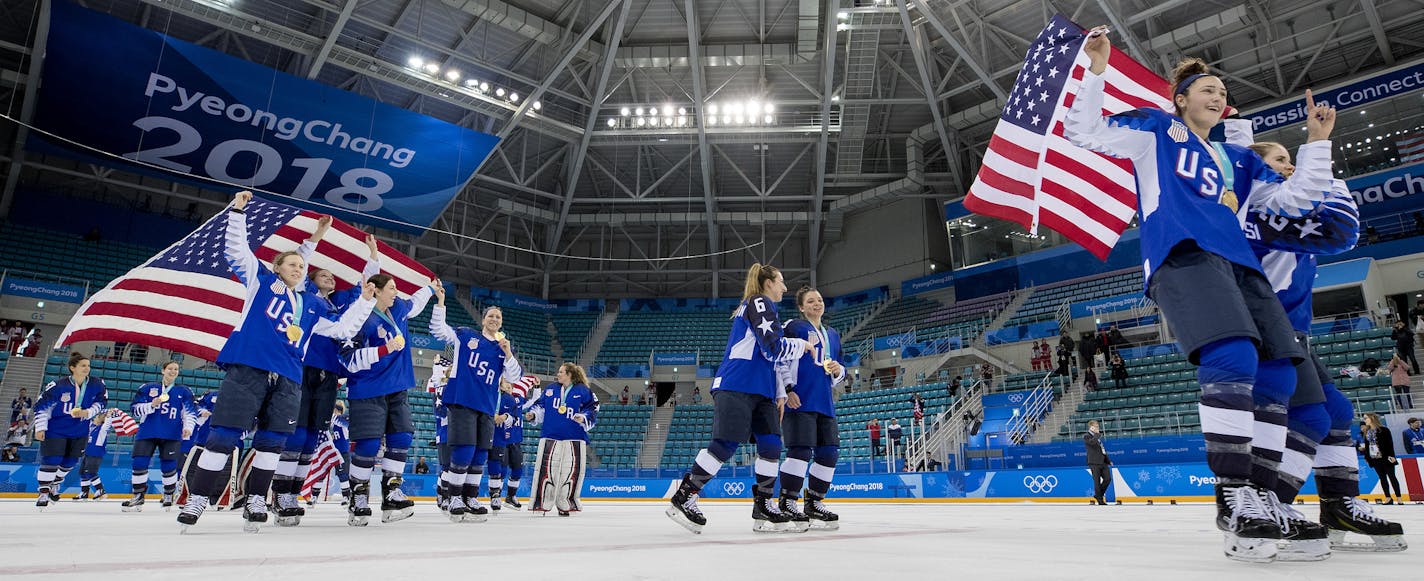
pixel 636 541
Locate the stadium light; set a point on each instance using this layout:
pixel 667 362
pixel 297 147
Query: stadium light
pixel 638 111
pixel 415 62
pixel 499 92
pixel 484 87
pixel 612 122
pixel 711 108
pixel 453 75
pixel 538 105
pixel 514 97
pixel 432 68
pixel 624 112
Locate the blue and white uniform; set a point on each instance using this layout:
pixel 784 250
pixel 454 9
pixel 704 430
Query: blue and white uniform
pixel 166 420
pixel 98 442
pixel 754 346
pixel 810 430
pixel 555 406
pixel 813 384
pixel 511 432
pixel 65 436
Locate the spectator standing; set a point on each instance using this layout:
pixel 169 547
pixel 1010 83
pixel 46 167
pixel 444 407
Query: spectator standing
pixel 21 406
pixel 421 467
pixel 874 426
pixel 1404 344
pixel 895 433
pixel 1098 462
pixel 1119 372
pixel 1416 320
pixel 1378 449
pixel 696 396
pixel 1090 379
pixel 1115 338
pixel 917 408
pixel 17 437
pixel 1414 437
pixel 1399 380
pixel 954 385
pixel 623 397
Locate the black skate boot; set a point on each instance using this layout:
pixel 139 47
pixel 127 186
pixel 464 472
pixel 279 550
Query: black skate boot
pixel 766 517
pixel 99 493
pixel 83 495
pixel 442 498
pixel 254 513
pixel 821 518
pixel 192 509
pixel 456 508
pixel 358 511
pixel 289 511
pixel 394 505
pixel 684 509
pixel 1301 539
pixel 510 500
pixel 494 500
pixel 476 512
pixel 43 501
pixel 167 499
pixel 134 504
pixel 798 521
pixel 1352 515
pixel 1250 528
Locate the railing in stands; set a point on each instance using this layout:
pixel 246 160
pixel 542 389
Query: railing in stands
pixel 1021 426
pixel 946 431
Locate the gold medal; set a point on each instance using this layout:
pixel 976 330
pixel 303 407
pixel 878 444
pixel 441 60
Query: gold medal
pixel 1228 199
pixel 499 335
pixel 294 333
pixel 163 398
pixel 563 410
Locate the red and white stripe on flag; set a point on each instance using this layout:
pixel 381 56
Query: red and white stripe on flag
pixel 187 300
pixel 1411 147
pixel 327 458
pixel 1033 176
pixel 122 423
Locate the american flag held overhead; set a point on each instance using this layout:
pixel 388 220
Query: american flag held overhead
pixel 1032 175
pixel 186 298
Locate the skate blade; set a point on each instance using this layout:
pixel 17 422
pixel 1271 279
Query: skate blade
pixel 456 518
pixel 1298 551
pixel 677 517
pixel 1249 550
pixel 183 529
pixel 132 508
pixel 389 516
pixel 357 521
pixel 288 521
pixel 766 526
pixel 474 518
pixel 798 526
pixel 512 506
pixel 825 525
pixel 251 527
pixel 1380 544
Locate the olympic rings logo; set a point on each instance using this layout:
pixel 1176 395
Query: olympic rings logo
pixel 1016 398
pixel 1040 484
pixel 734 488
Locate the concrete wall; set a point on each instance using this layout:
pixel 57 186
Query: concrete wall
pixel 884 246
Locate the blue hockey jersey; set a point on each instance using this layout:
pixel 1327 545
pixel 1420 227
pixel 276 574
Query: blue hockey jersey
pixel 754 346
pixel 260 339
pixel 442 420
pixel 323 352
pixel 478 366
pixel 371 375
pixel 61 397
pixel 813 385
pixel 166 420
pixel 512 430
pixel 200 433
pixel 1182 190
pixel 573 400
pixel 98 438
pixel 341 433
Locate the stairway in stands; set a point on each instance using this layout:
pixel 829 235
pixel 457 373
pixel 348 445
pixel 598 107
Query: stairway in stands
pixel 26 372
pixel 651 454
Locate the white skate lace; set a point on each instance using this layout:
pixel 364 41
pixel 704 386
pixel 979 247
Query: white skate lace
pixel 1245 504
pixel 286 500
pixel 456 502
pixel 471 502
pixel 1361 510
pixel 256 504
pixel 771 507
pixel 819 507
pixel 690 505
pixel 1275 510
pixel 396 494
pixel 360 501
pixel 195 505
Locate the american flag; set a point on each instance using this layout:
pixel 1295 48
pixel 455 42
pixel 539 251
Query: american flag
pixel 327 457
pixel 1032 175
pixel 187 300
pixel 1411 147
pixel 122 423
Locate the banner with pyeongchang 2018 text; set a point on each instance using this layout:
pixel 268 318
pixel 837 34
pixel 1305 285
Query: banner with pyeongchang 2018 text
pixel 150 98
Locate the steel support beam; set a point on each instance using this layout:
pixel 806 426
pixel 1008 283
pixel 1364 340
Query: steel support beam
pixel 704 151
pixel 319 58
pixel 959 48
pixel 828 79
pixel 27 109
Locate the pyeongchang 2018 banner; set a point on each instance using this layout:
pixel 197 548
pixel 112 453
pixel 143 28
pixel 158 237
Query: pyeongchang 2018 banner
pixel 151 98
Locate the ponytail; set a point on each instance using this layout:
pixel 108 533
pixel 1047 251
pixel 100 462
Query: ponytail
pixel 758 275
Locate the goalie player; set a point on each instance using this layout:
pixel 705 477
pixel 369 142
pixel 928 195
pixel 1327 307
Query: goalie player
pixel 568 410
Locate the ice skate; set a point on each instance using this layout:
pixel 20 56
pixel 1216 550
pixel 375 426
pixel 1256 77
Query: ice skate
pixel 83 495
pixel 167 501
pixel 494 503
pixel 1301 539
pixel 767 518
pixel 99 494
pixel 512 502
pixel 684 511
pixel 797 521
pixel 821 519
pixel 289 512
pixel 254 513
pixel 134 504
pixel 358 512
pixel 43 501
pixel 1249 527
pixel 477 512
pixel 1352 515
pixel 395 506
pixel 456 509
pixel 192 509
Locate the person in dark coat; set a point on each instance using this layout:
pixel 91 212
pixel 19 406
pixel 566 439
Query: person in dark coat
pixel 1404 344
pixel 1377 446
pixel 1119 371
pixel 1098 462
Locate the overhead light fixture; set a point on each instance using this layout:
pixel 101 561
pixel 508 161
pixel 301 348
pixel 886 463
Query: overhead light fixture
pixel 770 108
pixel 712 108
pixel 667 110
pixel 538 105
pixel 842 27
pixel 843 15
pixel 453 75
pixel 612 122
pixel 682 110
pixel 484 87
pixel 624 112
pixel 835 98
pixel 642 121
pixel 514 97
pixel 638 111
pixel 711 119
pixel 471 83
pixel 499 92
pixel 768 119
pixel 415 62
pixel 432 68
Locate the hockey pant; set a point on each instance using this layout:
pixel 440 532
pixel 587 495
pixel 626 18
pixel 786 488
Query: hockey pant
pixel 560 479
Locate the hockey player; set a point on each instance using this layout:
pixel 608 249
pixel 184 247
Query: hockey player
pixel 471 398
pixel 506 453
pixel 263 361
pixel 166 414
pixel 62 421
pixel 1320 415
pixel 341 440
pixel 442 448
pixel 809 424
pixel 1201 272
pixel 320 374
pixel 568 409
pixel 94 450
pixel 746 396
pixel 380 372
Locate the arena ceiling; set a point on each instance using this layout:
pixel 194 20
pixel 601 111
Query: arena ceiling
pixel 905 82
